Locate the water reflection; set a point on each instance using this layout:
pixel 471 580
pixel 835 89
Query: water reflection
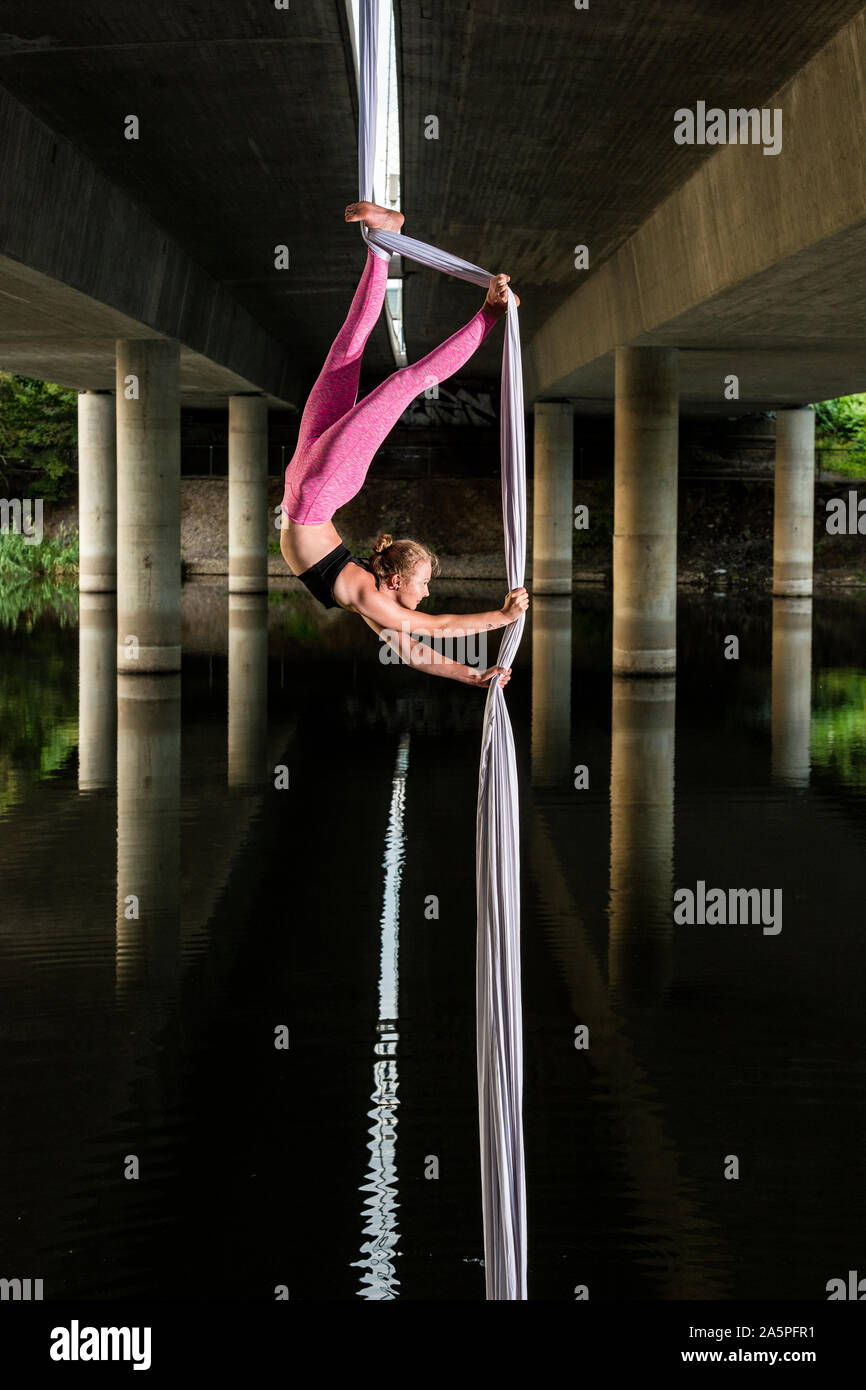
pixel 380 1208
pixel 701 1042
pixel 97 691
pixel 641 835
pixel 838 726
pixel 671 1234
pixel 148 835
pixel 38 706
pixel 248 689
pixel 551 691
pixel 792 690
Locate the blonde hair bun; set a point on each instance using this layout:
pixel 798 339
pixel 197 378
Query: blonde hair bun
pixel 401 558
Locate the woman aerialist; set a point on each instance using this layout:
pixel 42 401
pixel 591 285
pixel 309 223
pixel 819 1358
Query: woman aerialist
pixel 337 440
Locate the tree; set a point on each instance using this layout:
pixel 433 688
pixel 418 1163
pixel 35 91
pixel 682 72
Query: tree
pixel 841 423
pixel 38 437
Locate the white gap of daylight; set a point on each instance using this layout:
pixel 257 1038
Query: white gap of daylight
pixel 386 174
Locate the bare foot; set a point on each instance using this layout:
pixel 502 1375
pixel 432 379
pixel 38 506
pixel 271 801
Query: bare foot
pixel 497 295
pixel 388 219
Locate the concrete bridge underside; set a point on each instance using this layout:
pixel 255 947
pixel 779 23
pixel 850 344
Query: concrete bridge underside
pixel 153 260
pixel 552 133
pixel 755 267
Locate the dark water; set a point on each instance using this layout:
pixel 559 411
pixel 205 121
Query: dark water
pixel 152 1038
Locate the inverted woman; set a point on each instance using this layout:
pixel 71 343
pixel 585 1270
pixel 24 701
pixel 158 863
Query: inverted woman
pixel 338 437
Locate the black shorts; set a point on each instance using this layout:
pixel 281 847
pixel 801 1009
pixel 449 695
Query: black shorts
pixel 319 579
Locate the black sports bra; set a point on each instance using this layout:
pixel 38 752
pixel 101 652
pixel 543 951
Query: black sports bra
pixel 319 579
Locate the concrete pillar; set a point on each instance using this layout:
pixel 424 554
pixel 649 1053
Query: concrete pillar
pixel 553 488
pixel 148 506
pixel 248 495
pixel 97 493
pixel 551 692
pixel 148 836
pixel 794 503
pixel 791 718
pixel 97 690
pixel 248 690
pixel 645 511
pixel 643 727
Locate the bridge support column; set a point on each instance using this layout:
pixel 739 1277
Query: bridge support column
pixel 97 493
pixel 553 487
pixel 148 505
pixel 645 511
pixel 794 503
pixel 248 494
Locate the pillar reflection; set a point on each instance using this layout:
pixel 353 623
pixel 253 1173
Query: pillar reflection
pixel 641 835
pixel 792 690
pixel 97 690
pixel 551 691
pixel 148 833
pixel 248 689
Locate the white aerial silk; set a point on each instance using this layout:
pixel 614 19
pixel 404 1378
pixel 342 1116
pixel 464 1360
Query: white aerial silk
pixel 499 1015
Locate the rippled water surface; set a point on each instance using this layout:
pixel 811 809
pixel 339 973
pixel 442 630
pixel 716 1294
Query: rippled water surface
pixel 168 905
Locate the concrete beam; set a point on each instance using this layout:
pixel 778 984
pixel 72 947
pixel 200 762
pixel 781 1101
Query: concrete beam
pixel 758 254
pixel 76 253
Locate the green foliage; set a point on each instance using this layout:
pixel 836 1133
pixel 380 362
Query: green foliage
pixel 55 557
pixel 843 420
pixel 38 437
pixel 840 432
pixel 23 605
pixel 838 721
pixel 37 578
pixel 38 712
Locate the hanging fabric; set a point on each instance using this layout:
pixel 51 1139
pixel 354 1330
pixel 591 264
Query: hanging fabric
pixel 497 863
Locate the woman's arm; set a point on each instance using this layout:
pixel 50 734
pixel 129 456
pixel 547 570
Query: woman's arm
pixel 425 658
pixel 464 624
pixel 370 602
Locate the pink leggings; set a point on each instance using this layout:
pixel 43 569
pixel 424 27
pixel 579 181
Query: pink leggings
pixel 340 434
